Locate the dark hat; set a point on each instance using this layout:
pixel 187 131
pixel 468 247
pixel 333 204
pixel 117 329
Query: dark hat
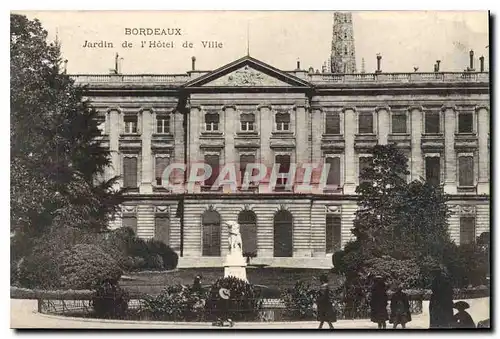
pixel 461 305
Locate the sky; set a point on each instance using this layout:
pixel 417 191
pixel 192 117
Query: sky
pixel 405 39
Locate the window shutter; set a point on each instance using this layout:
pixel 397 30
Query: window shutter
pixel 333 233
pixel 432 123
pixel 334 171
pixel 467 229
pixel 365 123
pixel 161 164
pixel 433 170
pixel 466 171
pixel 130 172
pixel 465 122
pixel 399 123
pixel 332 123
pixel 162 229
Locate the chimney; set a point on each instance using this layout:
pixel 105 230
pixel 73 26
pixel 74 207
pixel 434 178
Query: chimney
pixel 193 63
pixel 298 65
pixel 481 63
pixel 379 58
pixel 471 55
pixel 437 65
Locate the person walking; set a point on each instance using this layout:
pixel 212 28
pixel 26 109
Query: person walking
pixel 325 310
pixel 441 302
pixel 378 303
pixel 400 308
pixel 463 319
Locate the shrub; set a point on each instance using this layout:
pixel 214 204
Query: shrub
pixel 168 256
pixel 109 300
pixel 243 304
pixel 87 266
pixel 468 264
pixel 175 303
pixel 40 270
pixel 395 272
pixel 299 300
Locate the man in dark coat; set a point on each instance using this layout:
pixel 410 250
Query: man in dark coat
pixel 378 302
pixel 400 308
pixel 325 307
pixel 462 318
pixel 441 303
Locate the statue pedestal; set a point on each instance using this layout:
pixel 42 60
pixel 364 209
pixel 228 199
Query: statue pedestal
pixel 235 265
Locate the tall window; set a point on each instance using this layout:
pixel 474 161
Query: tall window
pixel 213 161
pixel 161 164
pixel 284 167
pixel 283 234
pixel 332 123
pixel 130 221
pixel 248 230
pixel 365 123
pixel 432 123
pixel 247 122
pixel 130 124
pixel 163 124
pixel 334 171
pixel 245 159
pixel 465 171
pixel 465 122
pixel 399 123
pixel 467 229
pixel 433 170
pixel 282 121
pixel 130 172
pixel 364 162
pixel 211 122
pixel 333 232
pixel 162 229
pixel 211 234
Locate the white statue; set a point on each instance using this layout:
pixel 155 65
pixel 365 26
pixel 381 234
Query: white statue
pixel 235 247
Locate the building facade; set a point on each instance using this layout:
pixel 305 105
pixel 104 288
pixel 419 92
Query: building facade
pixel 250 112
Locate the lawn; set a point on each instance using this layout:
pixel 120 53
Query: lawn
pixel 269 279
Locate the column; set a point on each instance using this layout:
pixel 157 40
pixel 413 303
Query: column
pixel 114 141
pixel 483 129
pixel 350 163
pixel 147 162
pixel 383 124
pixel 302 131
pixel 415 163
pixel 450 158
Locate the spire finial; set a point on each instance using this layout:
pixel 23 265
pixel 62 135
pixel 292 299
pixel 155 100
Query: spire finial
pixel 248 38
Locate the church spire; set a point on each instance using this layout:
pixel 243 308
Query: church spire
pixel 343 57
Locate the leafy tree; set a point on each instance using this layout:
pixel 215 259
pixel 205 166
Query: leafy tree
pixel 57 163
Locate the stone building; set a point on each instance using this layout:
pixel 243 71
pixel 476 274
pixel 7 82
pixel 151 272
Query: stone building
pixel 248 111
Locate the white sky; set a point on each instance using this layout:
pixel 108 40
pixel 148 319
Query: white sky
pixel 405 39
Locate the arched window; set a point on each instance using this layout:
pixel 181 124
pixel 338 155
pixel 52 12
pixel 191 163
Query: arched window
pixel 283 234
pixel 248 230
pixel 211 234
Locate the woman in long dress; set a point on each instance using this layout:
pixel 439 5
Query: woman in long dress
pixel 326 313
pixel 378 302
pixel 441 303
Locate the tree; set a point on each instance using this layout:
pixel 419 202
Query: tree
pixel 57 163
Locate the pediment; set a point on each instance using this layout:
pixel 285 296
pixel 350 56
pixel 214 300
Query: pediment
pixel 247 72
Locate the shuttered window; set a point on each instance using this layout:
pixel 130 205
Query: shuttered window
pixel 283 234
pixel 245 159
pixel 467 229
pixel 213 161
pixel 433 170
pixel 211 234
pixel 130 221
pixel 432 123
pixel 130 172
pixel 334 171
pixel 248 229
pixel 365 123
pixel 364 162
pixel 162 229
pixel 466 171
pixel 333 233
pixel 465 123
pixel 332 123
pixel 161 164
pixel 399 123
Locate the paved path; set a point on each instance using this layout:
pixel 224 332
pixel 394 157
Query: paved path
pixel 24 315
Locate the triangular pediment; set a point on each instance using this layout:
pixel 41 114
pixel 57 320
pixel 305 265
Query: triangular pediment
pixel 247 72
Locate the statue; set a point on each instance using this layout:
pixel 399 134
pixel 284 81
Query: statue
pixel 235 246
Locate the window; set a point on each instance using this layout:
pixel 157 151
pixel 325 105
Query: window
pixel 130 124
pixel 163 124
pixel 433 170
pixel 161 164
pixel 162 229
pixel 212 122
pixel 467 229
pixel 248 229
pixel 130 221
pixel 432 123
pixel 365 123
pixel 333 232
pixel 334 171
pixel 211 234
pixel 465 123
pixel 130 172
pixel 245 159
pixel 213 161
pixel 247 122
pixel 284 168
pixel 465 171
pixel 364 163
pixel 282 121
pixel 332 123
pixel 399 123
pixel 283 234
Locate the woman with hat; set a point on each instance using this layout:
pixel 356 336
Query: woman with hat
pixel 462 318
pixel 441 302
pixel 324 305
pixel 400 308
pixel 378 302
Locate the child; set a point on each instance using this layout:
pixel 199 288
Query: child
pixel 400 308
pixel 462 318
